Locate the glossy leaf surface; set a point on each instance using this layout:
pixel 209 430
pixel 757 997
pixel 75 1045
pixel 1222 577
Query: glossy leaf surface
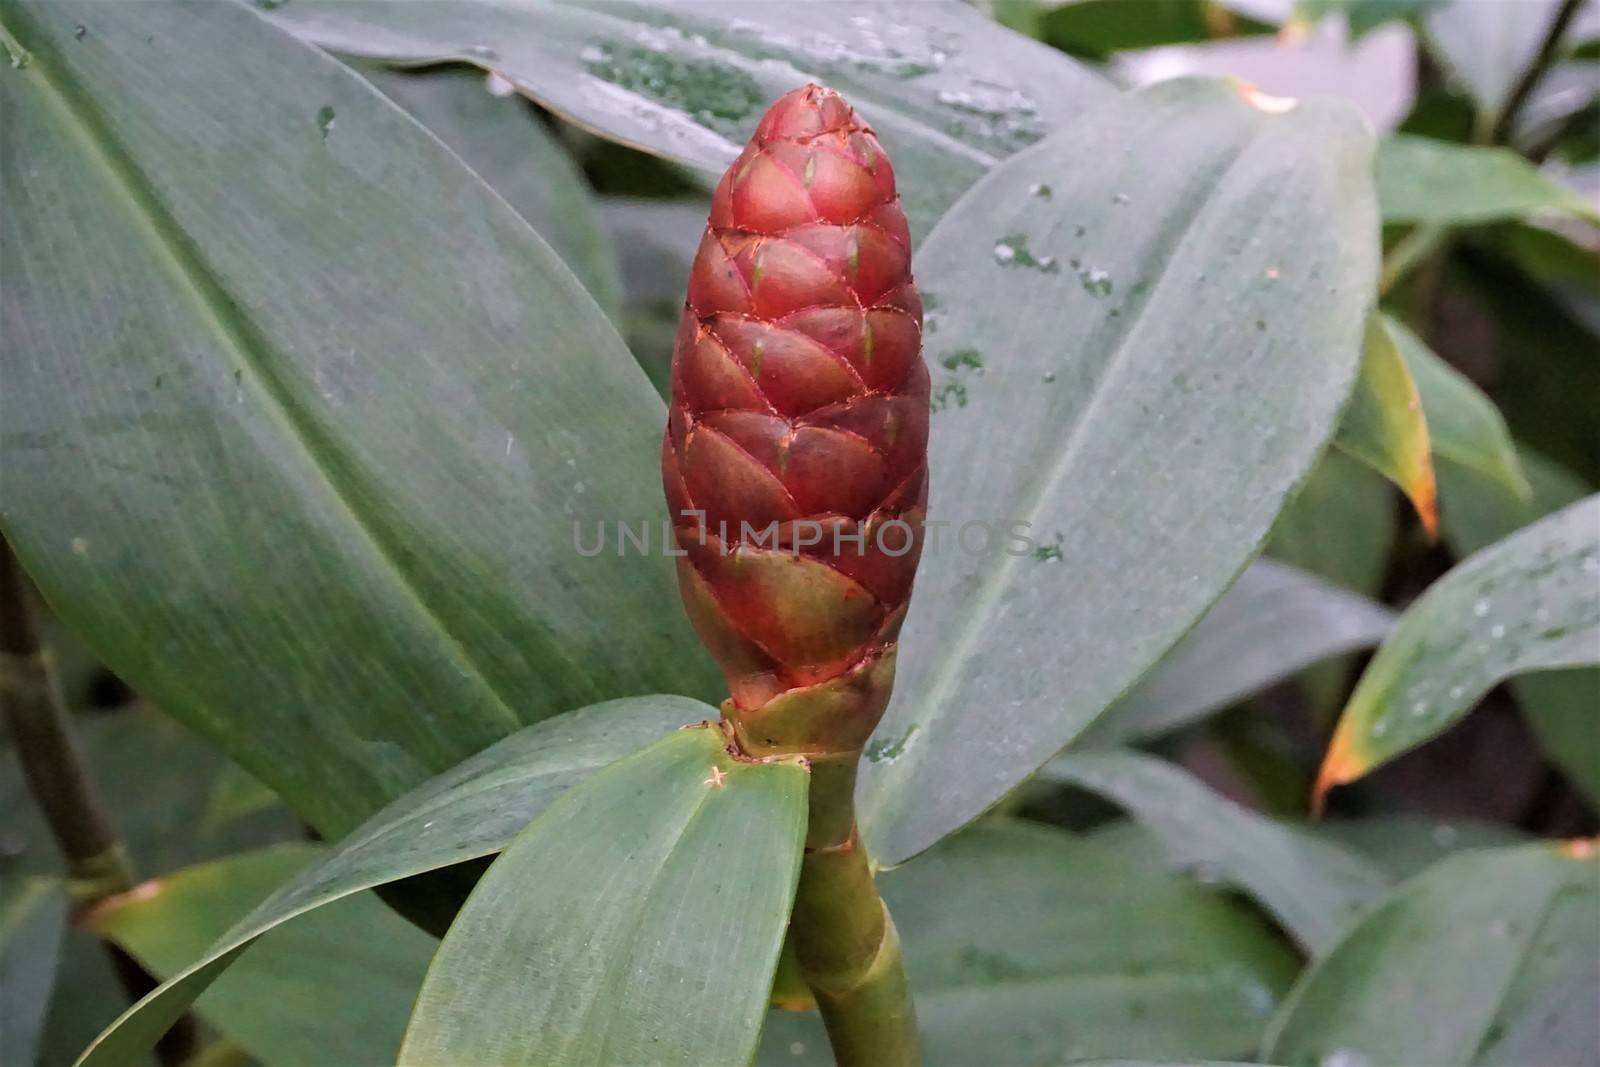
pixel 298 439
pixel 1490 957
pixel 1275 621
pixel 949 92
pixel 1558 705
pixel 1141 359
pixel 472 810
pixel 506 145
pixel 1027 946
pixel 275 1002
pixel 664 887
pixel 1523 604
pixel 1314 887
pixel 1424 180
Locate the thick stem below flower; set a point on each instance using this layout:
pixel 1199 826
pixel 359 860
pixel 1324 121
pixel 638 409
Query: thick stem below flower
pixel 843 935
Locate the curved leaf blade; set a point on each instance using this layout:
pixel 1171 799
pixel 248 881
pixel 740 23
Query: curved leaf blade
pixel 1463 424
pixel 510 149
pixel 949 91
pixel 1385 427
pixel 473 810
pixel 1524 604
pixel 299 454
pixel 1164 345
pixel 1274 622
pixel 1028 946
pixel 1314 887
pixel 1558 705
pixel 33 917
pixel 274 1002
pixel 666 883
pixel 1489 957
pixel 1438 183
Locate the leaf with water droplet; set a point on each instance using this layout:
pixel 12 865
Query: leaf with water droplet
pixel 1486 957
pixel 990 632
pixel 688 81
pixel 1456 642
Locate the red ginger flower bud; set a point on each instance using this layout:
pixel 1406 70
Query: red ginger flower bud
pixel 795 459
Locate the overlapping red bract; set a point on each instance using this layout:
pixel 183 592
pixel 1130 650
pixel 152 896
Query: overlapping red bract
pixel 799 397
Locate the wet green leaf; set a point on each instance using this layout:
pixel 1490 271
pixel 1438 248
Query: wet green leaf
pixel 1429 181
pixel 664 887
pixel 1490 957
pixel 1558 705
pixel 275 1001
pixel 506 145
pixel 949 91
pixel 1146 394
pixel 298 440
pixel 1315 888
pixel 1523 604
pixel 1026 946
pixel 1273 622
pixel 472 810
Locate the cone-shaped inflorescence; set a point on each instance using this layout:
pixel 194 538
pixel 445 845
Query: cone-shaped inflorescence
pixel 795 465
pixel 795 458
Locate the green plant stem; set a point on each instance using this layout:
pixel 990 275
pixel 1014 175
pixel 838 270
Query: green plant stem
pixel 843 935
pixel 34 709
pixel 1535 72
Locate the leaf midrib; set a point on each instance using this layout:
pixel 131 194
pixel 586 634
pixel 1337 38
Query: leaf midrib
pixel 951 664
pixel 235 330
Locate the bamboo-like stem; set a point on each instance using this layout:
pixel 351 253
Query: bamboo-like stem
pixel 34 709
pixel 844 937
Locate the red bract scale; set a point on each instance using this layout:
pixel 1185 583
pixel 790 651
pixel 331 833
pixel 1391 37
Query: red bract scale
pixel 795 458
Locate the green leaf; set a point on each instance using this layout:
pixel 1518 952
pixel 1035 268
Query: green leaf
pixel 1428 181
pixel 236 795
pixel 1523 604
pixel 1341 525
pixel 1273 622
pixel 471 811
pixel 1315 888
pixel 656 241
pixel 664 887
pixel 1405 845
pixel 275 1002
pixel 298 440
pixel 1463 423
pixel 33 915
pixel 1385 427
pixel 1097 28
pixel 1026 945
pixel 508 147
pixel 1558 705
pixel 1490 957
pixel 1141 359
pixel 949 91
pixel 1363 16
